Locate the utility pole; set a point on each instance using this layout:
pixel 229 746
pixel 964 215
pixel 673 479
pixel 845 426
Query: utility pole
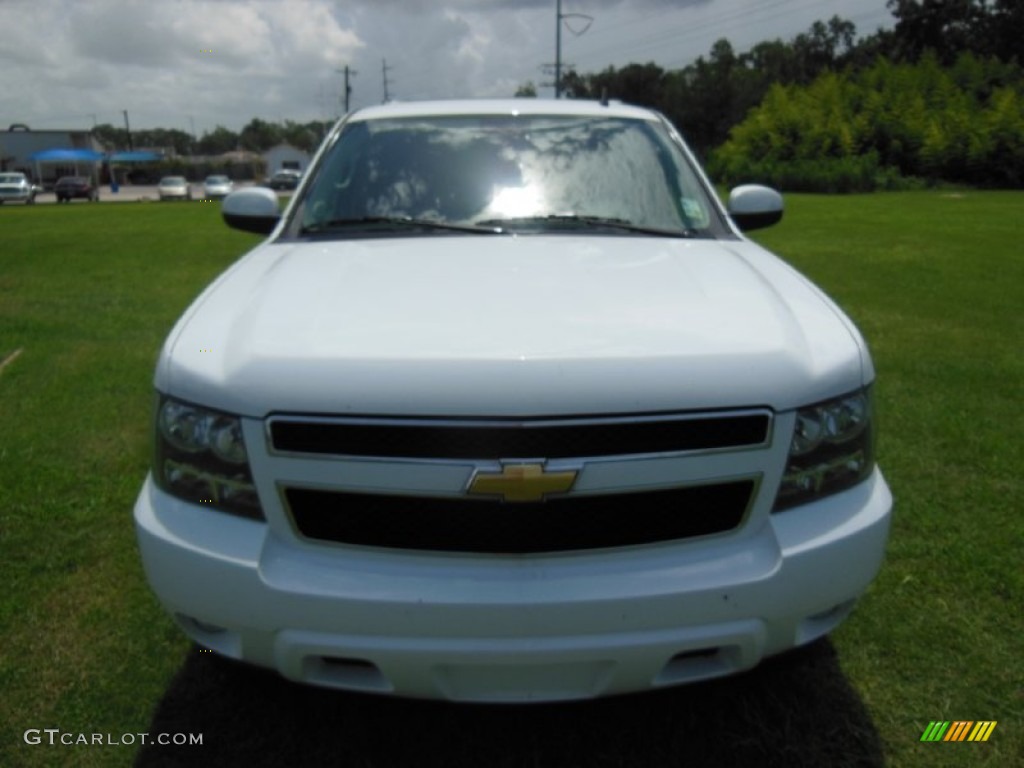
pixel 559 18
pixel 558 49
pixel 128 130
pixel 348 88
pixel 384 74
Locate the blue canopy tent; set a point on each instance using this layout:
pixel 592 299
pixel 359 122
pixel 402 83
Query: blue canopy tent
pixel 67 156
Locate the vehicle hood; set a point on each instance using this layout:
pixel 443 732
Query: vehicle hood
pixel 510 325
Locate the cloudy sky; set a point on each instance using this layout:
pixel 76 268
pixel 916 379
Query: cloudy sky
pixel 196 64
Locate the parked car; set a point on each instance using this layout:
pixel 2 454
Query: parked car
pixel 15 187
pixel 508 408
pixel 217 186
pixel 285 179
pixel 69 188
pixel 174 188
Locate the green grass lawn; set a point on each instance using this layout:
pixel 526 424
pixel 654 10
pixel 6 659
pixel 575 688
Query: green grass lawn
pixel 935 280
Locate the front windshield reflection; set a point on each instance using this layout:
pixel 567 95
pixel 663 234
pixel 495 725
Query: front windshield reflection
pixel 510 171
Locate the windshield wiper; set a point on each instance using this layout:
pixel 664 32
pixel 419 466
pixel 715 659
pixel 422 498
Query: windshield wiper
pixel 597 221
pixel 402 222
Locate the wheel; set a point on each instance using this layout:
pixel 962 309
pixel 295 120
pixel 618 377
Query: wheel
pixel 31 200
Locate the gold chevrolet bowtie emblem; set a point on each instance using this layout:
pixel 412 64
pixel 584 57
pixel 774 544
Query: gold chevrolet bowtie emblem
pixel 521 482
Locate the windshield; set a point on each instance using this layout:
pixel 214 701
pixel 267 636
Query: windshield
pixel 519 173
pixel 11 178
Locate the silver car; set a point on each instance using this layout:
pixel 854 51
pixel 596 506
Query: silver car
pixel 217 186
pixel 15 187
pixel 174 188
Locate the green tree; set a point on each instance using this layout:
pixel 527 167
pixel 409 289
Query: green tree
pixel 952 27
pixel 217 142
pixel 110 136
pixel 858 130
pixel 259 135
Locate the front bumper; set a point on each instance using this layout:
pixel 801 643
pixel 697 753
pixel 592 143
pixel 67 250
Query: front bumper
pixel 512 628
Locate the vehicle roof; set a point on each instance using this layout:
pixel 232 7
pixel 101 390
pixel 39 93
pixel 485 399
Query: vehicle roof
pixel 513 107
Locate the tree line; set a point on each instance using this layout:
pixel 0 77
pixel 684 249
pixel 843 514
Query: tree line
pixel 938 96
pixel 257 136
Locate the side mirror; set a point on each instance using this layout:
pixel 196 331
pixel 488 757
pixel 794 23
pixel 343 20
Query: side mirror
pixel 755 207
pixel 254 209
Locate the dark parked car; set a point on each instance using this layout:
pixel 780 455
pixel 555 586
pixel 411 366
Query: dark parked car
pixel 285 179
pixel 69 187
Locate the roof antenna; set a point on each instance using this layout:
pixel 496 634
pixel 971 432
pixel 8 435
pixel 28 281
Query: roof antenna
pixel 604 96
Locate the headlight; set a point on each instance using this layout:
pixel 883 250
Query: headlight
pixel 831 450
pixel 200 457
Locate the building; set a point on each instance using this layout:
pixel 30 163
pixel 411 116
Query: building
pixel 285 156
pixel 19 143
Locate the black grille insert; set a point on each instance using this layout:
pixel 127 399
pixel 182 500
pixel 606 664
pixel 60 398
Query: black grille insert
pixel 558 524
pixel 518 439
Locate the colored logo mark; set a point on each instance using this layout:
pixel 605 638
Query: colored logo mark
pixel 521 482
pixel 959 730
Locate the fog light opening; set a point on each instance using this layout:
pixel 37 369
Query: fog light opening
pixel 699 664
pixel 200 626
pixel 345 672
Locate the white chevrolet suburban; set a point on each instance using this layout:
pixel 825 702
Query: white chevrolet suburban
pixel 507 408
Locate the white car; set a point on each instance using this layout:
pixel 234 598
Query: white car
pixel 506 408
pixel 174 188
pixel 15 187
pixel 217 186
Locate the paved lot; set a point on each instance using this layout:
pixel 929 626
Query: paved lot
pixel 133 193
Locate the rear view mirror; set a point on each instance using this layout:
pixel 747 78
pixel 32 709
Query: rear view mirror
pixel 254 209
pixel 753 206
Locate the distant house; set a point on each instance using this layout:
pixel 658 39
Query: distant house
pixel 19 142
pixel 285 156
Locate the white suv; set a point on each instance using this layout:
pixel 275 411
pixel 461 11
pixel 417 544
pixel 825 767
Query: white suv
pixel 506 408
